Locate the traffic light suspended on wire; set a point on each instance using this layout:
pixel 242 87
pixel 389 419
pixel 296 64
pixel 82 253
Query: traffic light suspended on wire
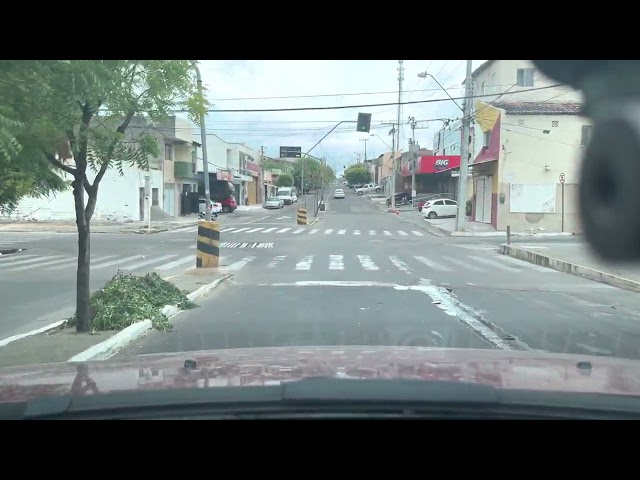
pixel 364 122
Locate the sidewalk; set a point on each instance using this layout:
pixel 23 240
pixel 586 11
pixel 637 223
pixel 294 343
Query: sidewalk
pixel 576 258
pixel 53 344
pixel 97 226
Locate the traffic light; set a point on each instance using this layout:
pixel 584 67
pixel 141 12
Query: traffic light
pixel 364 122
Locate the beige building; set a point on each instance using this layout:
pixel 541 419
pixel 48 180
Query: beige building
pixel 528 135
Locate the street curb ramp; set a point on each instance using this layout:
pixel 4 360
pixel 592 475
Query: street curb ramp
pixel 570 268
pixel 111 346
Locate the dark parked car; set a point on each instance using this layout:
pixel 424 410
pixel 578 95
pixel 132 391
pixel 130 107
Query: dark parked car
pixel 402 198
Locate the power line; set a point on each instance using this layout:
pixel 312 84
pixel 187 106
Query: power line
pixel 372 105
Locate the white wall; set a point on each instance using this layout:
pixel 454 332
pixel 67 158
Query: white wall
pixel 117 199
pixel 501 76
pixel 216 153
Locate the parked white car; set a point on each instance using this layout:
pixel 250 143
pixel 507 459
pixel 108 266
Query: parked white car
pixel 440 208
pixel 338 193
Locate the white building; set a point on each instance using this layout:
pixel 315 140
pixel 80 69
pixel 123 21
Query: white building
pixel 121 197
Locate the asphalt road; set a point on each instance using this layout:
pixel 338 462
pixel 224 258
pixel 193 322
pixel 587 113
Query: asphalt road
pixel 363 277
pixel 37 285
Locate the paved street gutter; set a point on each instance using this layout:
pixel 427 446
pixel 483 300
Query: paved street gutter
pixel 570 268
pixel 54 343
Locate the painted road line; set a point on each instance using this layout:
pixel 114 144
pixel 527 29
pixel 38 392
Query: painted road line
pixel 372 232
pixel 462 264
pixel 495 264
pixel 387 233
pixel 404 234
pixel 328 231
pixel 75 260
pixel 315 230
pixel 238 265
pixel 13 259
pixel 118 261
pixel 300 230
pixel 399 264
pixel 269 230
pixel 255 230
pixel 305 263
pixel 50 262
pixel 336 262
pixel 419 234
pixel 284 230
pixel 341 232
pixel 242 229
pixel 276 261
pixel 356 232
pixel 177 263
pixel 433 265
pixel 149 262
pixel 367 262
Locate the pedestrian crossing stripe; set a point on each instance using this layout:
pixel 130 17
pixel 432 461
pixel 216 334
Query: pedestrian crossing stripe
pixel 308 231
pixel 246 245
pixel 480 264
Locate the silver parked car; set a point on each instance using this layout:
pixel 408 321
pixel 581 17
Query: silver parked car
pixel 274 202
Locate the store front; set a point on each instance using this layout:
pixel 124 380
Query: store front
pixel 434 174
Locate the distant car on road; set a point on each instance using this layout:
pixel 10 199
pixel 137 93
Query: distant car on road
pixel 274 202
pixel 338 193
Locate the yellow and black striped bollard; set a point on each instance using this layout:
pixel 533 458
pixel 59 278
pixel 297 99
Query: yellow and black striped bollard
pixel 302 216
pixel 208 247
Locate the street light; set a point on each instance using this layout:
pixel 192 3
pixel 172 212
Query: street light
pixel 425 75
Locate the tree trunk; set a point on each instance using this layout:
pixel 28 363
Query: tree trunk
pixel 83 290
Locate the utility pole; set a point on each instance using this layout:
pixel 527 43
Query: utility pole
pixel 365 140
pixel 464 149
pixel 412 122
pixel 264 183
pixel 393 183
pixel 205 160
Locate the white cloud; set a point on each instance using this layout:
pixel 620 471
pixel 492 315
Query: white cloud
pixel 231 83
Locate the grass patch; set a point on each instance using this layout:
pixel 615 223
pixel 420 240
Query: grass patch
pixel 127 299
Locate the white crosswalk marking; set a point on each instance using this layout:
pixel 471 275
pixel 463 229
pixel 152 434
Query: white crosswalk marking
pixel 387 232
pixel 274 263
pixel 315 230
pixel 367 262
pixel 41 264
pixel 255 230
pixel 270 230
pixel 462 264
pixel 242 229
pixel 305 263
pixel 300 230
pixel 117 261
pixel 283 230
pixel 399 264
pixel 328 231
pixel 404 234
pixel 240 264
pixel 335 262
pixel 177 263
pixel 72 262
pixel 341 232
pixel 431 264
pixel 149 261
pixel 419 234
pixel 493 263
pixel 356 232
pixel 372 232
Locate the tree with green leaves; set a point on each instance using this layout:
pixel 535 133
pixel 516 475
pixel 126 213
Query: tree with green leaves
pixel 74 115
pixel 285 180
pixel 21 173
pixel 357 173
pixel 312 172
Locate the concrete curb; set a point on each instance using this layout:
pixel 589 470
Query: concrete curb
pixel 111 346
pixel 46 328
pixel 315 220
pixel 570 268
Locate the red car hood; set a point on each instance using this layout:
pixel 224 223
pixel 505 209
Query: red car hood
pixel 269 366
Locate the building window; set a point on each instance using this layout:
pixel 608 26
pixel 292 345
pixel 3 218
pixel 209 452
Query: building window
pixel 154 196
pixel 486 139
pixel 586 135
pixel 525 77
pixel 168 151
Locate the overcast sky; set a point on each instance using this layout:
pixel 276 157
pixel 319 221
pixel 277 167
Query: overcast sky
pixel 253 84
